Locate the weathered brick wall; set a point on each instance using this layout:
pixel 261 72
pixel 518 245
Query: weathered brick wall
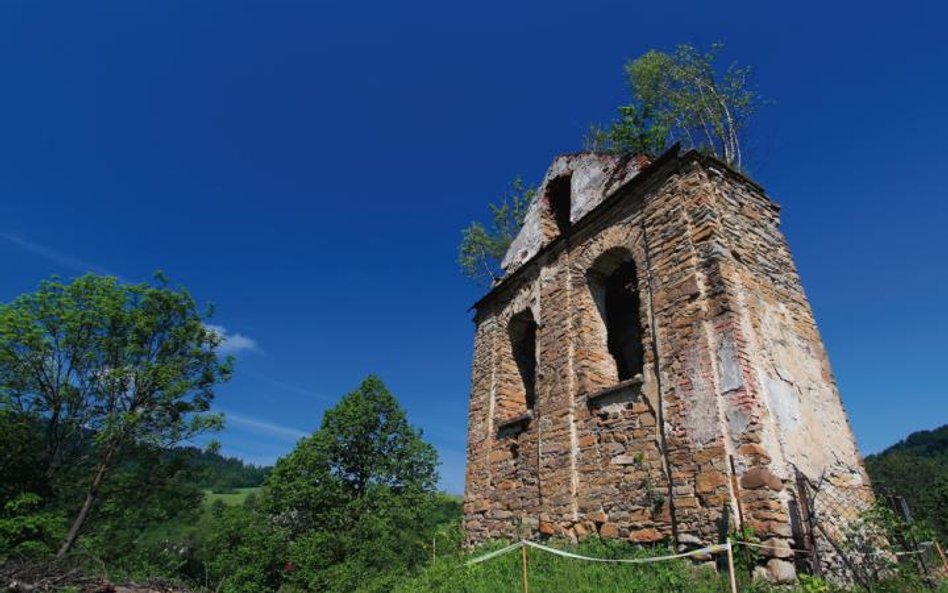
pixel 734 369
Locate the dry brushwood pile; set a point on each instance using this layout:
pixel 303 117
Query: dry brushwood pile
pixel 22 577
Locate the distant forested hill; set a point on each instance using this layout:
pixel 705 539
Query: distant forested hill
pixel 219 473
pixel 917 469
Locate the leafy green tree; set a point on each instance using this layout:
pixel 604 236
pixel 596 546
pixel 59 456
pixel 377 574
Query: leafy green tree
pixel 106 365
pixel 635 132
pixel 356 498
pixel 683 97
pixel 483 248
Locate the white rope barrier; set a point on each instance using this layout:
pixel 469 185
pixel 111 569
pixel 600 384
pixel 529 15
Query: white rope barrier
pixel 522 545
pixel 700 552
pixel 494 554
pixel 921 545
pixel 795 551
pixel 764 547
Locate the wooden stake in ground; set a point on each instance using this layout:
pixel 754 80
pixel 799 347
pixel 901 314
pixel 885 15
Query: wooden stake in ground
pixel 942 554
pixel 730 566
pixel 523 557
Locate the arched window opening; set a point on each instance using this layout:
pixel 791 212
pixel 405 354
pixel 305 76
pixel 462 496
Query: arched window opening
pixel 559 197
pixel 523 341
pixel 615 289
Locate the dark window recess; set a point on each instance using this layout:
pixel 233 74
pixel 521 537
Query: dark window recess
pixel 523 340
pixel 560 200
pixel 620 308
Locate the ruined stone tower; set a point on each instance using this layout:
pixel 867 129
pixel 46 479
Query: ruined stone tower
pixel 649 368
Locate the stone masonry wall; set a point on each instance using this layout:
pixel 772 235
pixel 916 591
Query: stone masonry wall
pixel 798 421
pixel 734 372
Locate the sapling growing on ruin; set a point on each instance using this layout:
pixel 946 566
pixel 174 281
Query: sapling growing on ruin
pixel 482 248
pixel 683 96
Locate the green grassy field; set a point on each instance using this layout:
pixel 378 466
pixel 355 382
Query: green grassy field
pixel 551 574
pixel 547 573
pixel 237 497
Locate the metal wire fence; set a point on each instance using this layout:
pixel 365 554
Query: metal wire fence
pixel 860 534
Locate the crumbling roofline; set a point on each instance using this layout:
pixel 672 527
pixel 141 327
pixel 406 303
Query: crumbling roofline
pixel 644 176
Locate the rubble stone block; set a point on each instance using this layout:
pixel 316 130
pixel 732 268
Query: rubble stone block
pixel 645 536
pixel 609 530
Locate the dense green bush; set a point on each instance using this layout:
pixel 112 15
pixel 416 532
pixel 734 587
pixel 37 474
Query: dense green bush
pixel 243 551
pixel 26 530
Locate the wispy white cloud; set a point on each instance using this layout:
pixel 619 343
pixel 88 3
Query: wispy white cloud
pixel 286 386
pixel 233 343
pixel 265 428
pixel 57 257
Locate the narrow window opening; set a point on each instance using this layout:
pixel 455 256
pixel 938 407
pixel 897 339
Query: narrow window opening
pixel 614 287
pixel 623 327
pixel 523 340
pixel 560 200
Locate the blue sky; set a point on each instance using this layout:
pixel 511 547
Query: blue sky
pixel 308 166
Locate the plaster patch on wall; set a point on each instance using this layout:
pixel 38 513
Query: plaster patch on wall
pixel 812 425
pixel 730 368
pixel 736 420
pixel 701 415
pixel 784 403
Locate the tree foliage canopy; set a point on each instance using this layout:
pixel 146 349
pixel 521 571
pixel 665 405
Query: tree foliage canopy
pixel 683 97
pixel 102 366
pixel 356 498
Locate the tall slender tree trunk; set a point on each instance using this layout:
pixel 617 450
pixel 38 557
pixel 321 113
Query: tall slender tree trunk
pixel 731 139
pixel 91 495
